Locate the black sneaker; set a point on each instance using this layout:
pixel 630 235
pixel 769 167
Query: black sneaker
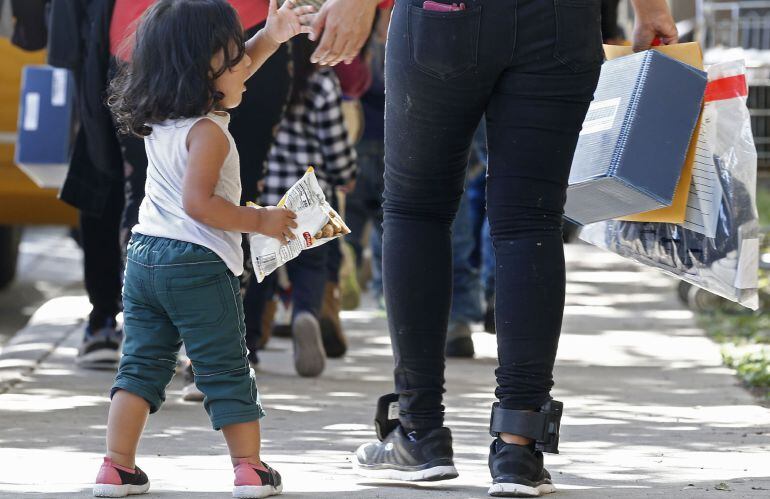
pixel 410 457
pixel 100 348
pixel 459 341
pixel 517 471
pixel 461 348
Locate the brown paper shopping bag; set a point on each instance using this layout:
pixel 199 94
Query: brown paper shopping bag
pixel 688 53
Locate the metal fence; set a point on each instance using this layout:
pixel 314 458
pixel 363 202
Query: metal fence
pixel 744 24
pixel 736 24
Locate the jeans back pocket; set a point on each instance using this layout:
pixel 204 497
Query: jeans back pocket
pixel 444 44
pixel 198 301
pixel 579 34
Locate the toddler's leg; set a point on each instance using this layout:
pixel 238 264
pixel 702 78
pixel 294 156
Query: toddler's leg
pixel 148 363
pixel 125 423
pixel 217 349
pixel 243 441
pixel 209 314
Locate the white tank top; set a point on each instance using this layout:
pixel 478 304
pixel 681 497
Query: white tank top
pixel 161 213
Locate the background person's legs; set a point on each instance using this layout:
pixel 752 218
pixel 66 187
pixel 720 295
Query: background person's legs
pixel 102 272
pixel 334 340
pixel 102 263
pixel 308 273
pixel 466 288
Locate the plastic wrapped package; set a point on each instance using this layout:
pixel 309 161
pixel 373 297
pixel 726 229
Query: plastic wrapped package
pixel 317 224
pixel 717 247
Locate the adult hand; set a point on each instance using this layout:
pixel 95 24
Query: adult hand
pixel 343 27
pixel 653 20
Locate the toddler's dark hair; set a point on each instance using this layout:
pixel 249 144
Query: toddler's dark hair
pixel 170 74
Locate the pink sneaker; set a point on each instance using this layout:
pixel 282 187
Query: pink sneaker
pixel 115 480
pixel 254 481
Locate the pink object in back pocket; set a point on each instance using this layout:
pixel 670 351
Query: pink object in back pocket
pixel 442 7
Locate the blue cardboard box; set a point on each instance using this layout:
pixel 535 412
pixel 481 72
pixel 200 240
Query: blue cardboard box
pixel 635 137
pixel 45 126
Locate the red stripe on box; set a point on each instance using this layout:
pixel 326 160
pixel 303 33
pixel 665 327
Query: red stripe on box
pixel 726 88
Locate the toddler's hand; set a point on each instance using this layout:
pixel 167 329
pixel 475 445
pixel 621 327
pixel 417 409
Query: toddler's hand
pixel 276 222
pixel 288 21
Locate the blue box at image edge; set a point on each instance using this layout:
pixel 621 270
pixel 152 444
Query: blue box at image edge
pixel 46 109
pixel 635 137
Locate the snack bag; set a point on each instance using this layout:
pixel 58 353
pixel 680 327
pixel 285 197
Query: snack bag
pixel 317 224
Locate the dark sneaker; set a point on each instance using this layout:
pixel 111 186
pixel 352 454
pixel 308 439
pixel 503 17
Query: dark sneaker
pixel 100 348
pixel 309 353
pixel 459 341
pixel 409 457
pixel 517 471
pixel 460 348
pixel 190 392
pixel 255 481
pixel 114 480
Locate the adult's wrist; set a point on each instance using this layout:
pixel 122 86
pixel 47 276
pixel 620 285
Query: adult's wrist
pixel 645 8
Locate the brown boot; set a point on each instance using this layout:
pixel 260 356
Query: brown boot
pixel 332 335
pixel 267 323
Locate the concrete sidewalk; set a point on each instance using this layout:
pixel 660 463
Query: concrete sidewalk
pixel 649 410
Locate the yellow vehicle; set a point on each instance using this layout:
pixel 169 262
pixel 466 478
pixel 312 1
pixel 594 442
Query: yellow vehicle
pixel 21 201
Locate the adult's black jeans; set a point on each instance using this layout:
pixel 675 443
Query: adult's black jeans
pixel 102 262
pixel 530 66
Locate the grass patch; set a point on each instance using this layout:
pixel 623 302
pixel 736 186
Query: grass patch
pixel 745 341
pixel 753 369
pixel 737 329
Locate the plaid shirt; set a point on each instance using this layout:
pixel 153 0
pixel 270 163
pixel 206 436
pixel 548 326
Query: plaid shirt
pixel 312 133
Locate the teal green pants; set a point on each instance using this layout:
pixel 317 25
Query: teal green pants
pixel 176 292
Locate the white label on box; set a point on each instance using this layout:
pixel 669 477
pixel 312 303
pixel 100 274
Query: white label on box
pixel 59 87
pixel 601 116
pixel 31 111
